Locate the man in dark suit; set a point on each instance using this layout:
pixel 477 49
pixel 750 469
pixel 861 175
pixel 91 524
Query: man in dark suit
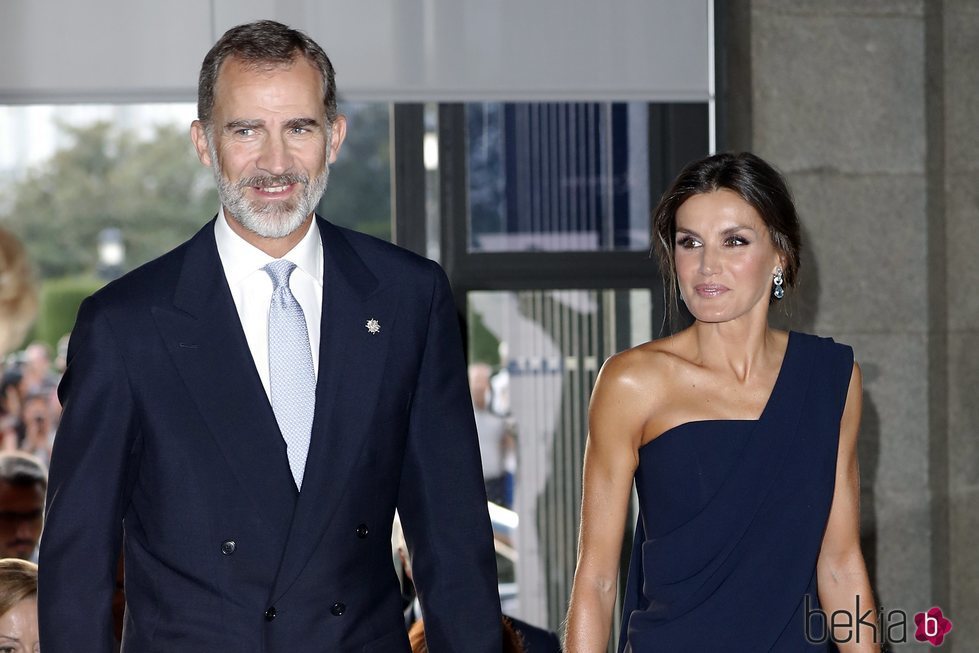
pixel 254 482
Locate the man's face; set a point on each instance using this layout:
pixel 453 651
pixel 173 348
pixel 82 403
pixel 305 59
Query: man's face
pixel 36 415
pixel 21 513
pixel 268 144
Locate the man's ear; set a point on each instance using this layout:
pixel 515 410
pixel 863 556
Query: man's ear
pixel 338 132
pixel 198 136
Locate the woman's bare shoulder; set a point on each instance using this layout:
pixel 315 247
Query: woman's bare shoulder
pixel 644 372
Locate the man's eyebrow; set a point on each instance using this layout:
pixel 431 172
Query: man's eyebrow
pixel 243 124
pixel 295 123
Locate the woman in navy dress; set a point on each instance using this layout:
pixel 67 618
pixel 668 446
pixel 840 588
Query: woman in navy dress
pixel 741 440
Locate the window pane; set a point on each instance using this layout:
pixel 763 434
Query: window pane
pixel 534 356
pixel 122 180
pixel 359 192
pixel 558 176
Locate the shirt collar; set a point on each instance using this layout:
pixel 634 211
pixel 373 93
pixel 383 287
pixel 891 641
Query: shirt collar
pixel 240 258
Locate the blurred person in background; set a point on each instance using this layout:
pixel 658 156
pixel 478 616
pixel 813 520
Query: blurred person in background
pixel 36 369
pixel 18 607
pixel 38 427
pixel 18 305
pixel 18 299
pixel 11 425
pixel 23 481
pixel 496 442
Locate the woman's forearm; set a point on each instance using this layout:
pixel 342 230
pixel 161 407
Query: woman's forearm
pixel 589 619
pixel 848 604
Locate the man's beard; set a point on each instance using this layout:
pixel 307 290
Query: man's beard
pixel 274 219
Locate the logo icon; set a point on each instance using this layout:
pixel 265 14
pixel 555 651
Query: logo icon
pixel 931 626
pixel 373 326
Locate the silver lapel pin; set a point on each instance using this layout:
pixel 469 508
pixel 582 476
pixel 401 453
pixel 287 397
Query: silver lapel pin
pixel 373 326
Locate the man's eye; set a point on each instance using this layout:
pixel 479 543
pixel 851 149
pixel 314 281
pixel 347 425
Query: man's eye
pixel 244 131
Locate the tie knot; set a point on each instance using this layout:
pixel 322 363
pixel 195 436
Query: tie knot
pixel 280 271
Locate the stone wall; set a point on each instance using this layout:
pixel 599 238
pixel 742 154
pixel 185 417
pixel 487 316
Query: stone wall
pixel 869 108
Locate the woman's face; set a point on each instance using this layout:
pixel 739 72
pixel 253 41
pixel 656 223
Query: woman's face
pixel 725 259
pixel 18 628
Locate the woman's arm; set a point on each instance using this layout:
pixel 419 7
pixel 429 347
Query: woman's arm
pixel 841 571
pixel 615 422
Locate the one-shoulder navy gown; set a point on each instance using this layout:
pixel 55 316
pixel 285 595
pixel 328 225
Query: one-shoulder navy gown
pixel 732 515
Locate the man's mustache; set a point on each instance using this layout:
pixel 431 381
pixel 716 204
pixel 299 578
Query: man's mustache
pixel 271 181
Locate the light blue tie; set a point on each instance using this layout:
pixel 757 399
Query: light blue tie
pixel 292 381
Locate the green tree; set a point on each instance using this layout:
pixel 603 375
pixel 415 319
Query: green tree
pixel 155 191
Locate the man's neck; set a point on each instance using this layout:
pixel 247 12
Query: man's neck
pixel 274 247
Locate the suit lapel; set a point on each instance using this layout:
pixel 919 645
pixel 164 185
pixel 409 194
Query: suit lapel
pixel 207 344
pixel 350 374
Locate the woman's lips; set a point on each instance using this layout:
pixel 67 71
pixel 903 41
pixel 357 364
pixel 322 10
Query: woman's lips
pixel 710 289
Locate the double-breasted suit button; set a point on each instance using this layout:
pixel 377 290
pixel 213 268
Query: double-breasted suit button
pixel 270 614
pixel 362 531
pixel 228 547
pixel 338 609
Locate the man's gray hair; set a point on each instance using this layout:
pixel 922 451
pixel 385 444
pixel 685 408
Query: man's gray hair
pixel 264 43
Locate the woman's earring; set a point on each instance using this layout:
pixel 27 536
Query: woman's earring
pixel 778 291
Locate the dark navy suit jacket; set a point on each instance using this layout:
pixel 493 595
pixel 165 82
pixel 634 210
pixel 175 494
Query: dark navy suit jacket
pixel 168 436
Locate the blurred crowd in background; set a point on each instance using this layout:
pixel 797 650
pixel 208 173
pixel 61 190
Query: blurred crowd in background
pixel 29 407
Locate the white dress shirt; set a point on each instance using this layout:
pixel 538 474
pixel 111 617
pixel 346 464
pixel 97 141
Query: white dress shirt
pixel 251 288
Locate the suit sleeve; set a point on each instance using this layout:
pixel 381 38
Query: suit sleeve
pixel 86 492
pixel 442 500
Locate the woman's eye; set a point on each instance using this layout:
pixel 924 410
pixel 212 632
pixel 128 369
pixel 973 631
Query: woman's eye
pixel 686 242
pixel 736 241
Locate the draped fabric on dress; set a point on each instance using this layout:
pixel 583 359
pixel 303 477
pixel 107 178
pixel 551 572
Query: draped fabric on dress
pixel 732 515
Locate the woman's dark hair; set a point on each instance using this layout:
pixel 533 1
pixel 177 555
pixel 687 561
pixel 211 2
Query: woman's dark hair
pixel 756 182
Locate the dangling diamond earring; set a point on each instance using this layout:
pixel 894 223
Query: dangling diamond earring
pixel 778 291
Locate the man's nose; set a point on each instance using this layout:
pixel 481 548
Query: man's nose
pixel 275 157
